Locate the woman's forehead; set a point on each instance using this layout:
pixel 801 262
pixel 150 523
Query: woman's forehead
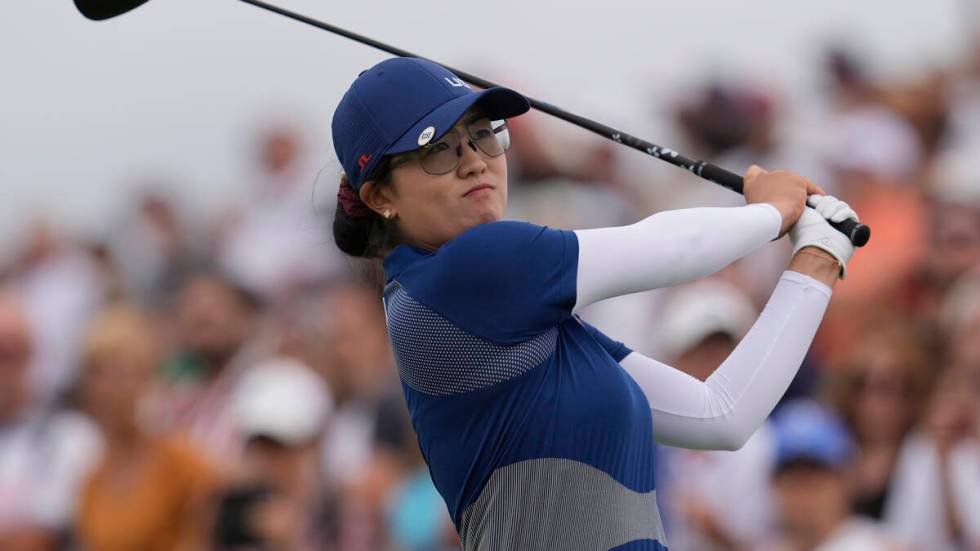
pixel 471 116
pixel 475 114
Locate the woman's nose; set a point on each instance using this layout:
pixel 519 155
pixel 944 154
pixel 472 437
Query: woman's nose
pixel 470 161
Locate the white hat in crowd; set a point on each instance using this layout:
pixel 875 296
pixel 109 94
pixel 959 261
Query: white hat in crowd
pixel 283 399
pixel 876 140
pixel 696 312
pixel 956 179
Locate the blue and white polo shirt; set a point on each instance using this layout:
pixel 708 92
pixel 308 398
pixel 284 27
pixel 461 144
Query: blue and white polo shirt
pixel 534 435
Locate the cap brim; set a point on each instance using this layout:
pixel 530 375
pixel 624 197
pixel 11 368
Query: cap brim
pixel 497 103
pixel 808 459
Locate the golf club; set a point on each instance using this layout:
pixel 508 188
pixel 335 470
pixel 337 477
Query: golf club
pixel 858 233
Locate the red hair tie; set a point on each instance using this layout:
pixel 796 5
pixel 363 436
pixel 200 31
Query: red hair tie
pixel 351 202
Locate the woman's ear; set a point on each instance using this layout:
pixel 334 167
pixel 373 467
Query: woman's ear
pixel 377 198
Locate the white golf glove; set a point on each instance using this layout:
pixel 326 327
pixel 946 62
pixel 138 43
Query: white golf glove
pixel 813 230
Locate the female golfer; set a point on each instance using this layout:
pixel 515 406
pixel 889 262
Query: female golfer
pixel 538 429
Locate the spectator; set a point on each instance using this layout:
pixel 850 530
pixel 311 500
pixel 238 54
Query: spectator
pixel 60 288
pixel 278 500
pixel 149 491
pixel 879 392
pixel 364 445
pixel 416 515
pixel 937 488
pixel 954 217
pixel 960 321
pixel 963 94
pixel 360 370
pixel 44 453
pixel 877 160
pixel 278 243
pixel 811 486
pixel 716 500
pixel 218 339
pixel 154 249
pixel 723 117
pixel 849 83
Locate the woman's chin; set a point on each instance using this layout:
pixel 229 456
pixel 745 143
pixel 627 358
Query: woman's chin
pixel 476 217
pixel 489 215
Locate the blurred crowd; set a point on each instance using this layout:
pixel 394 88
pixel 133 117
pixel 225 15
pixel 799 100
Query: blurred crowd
pixel 226 383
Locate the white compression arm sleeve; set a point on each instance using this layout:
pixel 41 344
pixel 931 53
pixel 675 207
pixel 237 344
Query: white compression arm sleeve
pixel 668 248
pixel 723 411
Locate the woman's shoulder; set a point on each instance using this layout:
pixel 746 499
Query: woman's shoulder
pixel 476 245
pixel 504 281
pixel 177 451
pixel 504 237
pixel 500 229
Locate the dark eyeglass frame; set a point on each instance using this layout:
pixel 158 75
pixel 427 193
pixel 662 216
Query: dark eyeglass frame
pixel 472 141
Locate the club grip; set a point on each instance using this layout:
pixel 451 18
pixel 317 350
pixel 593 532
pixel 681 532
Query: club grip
pixel 856 232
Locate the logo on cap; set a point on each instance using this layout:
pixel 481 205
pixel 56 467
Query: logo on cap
pixel 427 135
pixel 364 160
pixel 455 82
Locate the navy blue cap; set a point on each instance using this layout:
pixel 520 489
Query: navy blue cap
pixel 807 430
pixel 390 108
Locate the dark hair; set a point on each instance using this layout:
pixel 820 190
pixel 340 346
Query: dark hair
pixel 248 298
pixel 365 236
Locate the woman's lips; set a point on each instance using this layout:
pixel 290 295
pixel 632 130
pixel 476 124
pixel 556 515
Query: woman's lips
pixel 477 189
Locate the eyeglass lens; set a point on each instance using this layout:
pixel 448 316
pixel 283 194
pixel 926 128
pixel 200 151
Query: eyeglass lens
pixel 488 136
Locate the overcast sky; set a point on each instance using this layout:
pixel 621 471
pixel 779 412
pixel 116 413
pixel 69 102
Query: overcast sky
pixel 178 87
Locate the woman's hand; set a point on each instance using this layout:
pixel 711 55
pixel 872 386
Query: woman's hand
pixel 813 235
pixel 787 191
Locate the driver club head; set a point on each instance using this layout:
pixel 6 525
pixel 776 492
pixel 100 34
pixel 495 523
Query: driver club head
pixel 99 10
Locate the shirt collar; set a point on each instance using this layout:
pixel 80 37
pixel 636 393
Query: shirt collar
pixel 401 258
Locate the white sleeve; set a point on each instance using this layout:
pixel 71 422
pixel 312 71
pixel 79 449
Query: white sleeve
pixel 965 481
pixel 723 411
pixel 668 248
pixel 75 445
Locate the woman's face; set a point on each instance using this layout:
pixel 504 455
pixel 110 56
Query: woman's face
pixel 882 405
pixel 114 385
pixel 433 209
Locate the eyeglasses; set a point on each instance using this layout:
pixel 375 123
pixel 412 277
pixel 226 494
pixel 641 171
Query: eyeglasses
pixel 490 137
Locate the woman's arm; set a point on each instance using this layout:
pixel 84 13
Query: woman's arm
pixel 668 248
pixel 723 411
pixel 677 246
